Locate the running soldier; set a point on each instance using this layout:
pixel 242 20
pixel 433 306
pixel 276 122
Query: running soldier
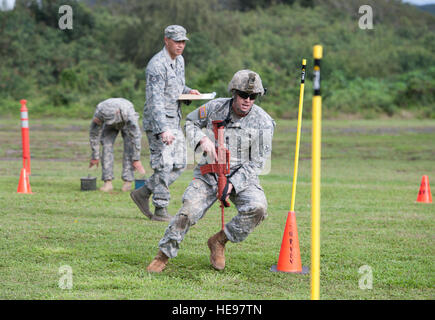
pixel 248 136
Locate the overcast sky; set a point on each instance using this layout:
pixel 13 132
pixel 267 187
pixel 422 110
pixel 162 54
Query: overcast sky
pixel 420 2
pixel 10 3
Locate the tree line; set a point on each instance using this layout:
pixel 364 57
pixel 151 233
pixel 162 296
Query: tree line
pixel 387 70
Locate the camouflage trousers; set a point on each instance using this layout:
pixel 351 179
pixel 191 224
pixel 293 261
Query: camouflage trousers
pixel 199 196
pixel 168 162
pixel 108 137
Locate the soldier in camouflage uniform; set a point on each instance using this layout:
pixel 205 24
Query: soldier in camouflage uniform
pixel 165 82
pixel 111 116
pixel 248 136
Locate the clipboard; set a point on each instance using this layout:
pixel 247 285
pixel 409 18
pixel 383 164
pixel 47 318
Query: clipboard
pixel 203 96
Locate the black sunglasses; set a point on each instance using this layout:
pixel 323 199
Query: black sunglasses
pixel 245 95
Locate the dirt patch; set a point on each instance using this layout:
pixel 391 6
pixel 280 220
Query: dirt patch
pixel 76 159
pixel 48 127
pixel 387 130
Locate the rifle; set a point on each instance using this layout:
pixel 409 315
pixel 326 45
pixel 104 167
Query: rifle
pixel 222 167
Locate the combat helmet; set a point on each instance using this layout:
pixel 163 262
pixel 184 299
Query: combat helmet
pixel 246 81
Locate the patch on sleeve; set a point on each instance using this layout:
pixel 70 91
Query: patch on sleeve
pixel 202 112
pixel 152 79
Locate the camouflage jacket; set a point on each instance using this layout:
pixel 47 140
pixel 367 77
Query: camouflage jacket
pixel 164 83
pixel 119 113
pixel 248 138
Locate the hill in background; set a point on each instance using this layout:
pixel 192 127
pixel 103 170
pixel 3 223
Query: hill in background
pixel 428 7
pixel 388 70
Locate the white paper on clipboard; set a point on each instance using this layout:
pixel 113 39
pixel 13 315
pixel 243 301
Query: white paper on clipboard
pixel 203 96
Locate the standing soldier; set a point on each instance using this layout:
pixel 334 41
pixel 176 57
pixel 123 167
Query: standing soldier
pixel 248 136
pixel 111 116
pixel 165 82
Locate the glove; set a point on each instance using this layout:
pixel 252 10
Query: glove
pixel 94 162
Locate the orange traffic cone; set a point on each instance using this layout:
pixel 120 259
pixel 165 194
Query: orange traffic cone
pixel 24 183
pixel 424 194
pixel 289 256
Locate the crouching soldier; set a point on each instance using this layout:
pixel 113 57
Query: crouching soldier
pixel 248 136
pixel 111 116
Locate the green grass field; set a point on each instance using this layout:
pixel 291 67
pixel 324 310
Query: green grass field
pixel 371 173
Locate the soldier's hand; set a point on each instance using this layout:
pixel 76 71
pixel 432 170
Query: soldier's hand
pixel 230 188
pixel 167 137
pixel 194 92
pixel 94 162
pixel 208 147
pixel 137 165
pixel 97 121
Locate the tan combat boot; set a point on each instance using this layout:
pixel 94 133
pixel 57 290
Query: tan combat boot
pixel 161 214
pixel 141 198
pixel 159 263
pixel 127 186
pixel 107 186
pixel 216 244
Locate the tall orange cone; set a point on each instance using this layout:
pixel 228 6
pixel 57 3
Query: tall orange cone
pixel 424 194
pixel 24 183
pixel 25 136
pixel 290 256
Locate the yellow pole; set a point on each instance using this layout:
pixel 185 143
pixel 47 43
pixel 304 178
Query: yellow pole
pixel 315 182
pixel 298 135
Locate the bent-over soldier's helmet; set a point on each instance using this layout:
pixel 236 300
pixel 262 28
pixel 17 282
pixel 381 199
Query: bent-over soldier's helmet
pixel 112 116
pixel 246 81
